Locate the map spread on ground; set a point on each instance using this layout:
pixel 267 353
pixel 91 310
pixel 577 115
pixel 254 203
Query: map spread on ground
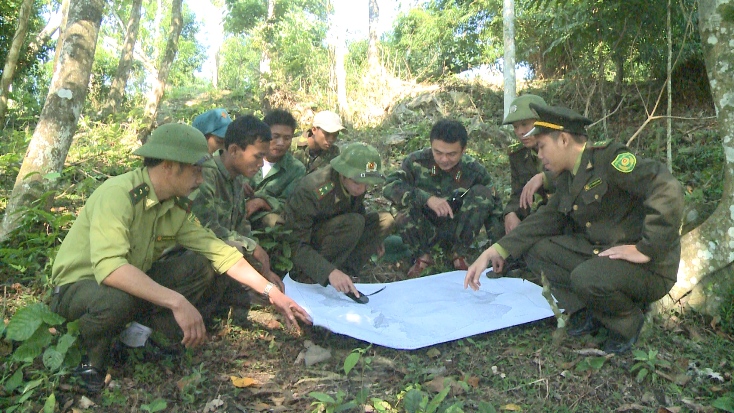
pixel 423 311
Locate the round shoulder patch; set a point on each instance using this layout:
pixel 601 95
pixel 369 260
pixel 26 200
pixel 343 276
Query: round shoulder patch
pixel 624 162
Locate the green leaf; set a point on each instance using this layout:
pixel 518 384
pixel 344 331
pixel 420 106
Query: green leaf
pixel 156 406
pixel 433 405
pixel 66 341
pixel 351 361
pixel 485 407
pixel 15 381
pixel 640 355
pixel 25 322
pixel 725 403
pixel 346 406
pixel 322 397
pixel 52 359
pixel 49 317
pixel 597 362
pixel 413 400
pixel 33 346
pixel 50 404
pixel 286 250
pixel 641 375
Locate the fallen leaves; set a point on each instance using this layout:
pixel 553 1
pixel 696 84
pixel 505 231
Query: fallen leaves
pixel 242 382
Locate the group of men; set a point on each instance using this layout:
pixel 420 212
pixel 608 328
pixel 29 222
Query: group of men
pixel 601 224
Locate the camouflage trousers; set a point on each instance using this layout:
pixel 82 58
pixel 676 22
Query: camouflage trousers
pixel 421 230
pixel 103 312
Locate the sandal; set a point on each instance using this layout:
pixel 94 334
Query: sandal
pixel 420 264
pixel 460 263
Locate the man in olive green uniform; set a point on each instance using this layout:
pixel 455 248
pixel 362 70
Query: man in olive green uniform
pixel 609 238
pixel 422 188
pixel 318 145
pixel 219 204
pixel 332 234
pixel 111 268
pixel 213 124
pixel 280 173
pixel 523 156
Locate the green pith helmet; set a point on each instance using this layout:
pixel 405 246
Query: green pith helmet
pixel 361 163
pixel 395 250
pixel 558 118
pixel 520 109
pixel 177 142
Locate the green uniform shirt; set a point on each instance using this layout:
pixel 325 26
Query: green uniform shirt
pixel 123 222
pixel 318 197
pixel 280 181
pixel 524 164
pixel 419 178
pixel 313 161
pixel 219 204
pixel 614 199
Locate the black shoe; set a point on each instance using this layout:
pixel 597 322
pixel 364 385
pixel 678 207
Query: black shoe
pixel 92 380
pixel 619 345
pixel 582 322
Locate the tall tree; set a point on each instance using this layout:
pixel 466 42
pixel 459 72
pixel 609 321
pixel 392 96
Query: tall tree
pixel 265 73
pixel 13 54
pixel 508 17
pixel 374 67
pixel 119 83
pixel 164 69
pixel 709 248
pixel 55 129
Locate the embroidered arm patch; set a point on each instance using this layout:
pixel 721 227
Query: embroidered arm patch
pixel 624 162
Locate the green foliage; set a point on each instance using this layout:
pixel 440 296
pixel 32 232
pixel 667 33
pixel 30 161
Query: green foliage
pixel 274 240
pixel 417 401
pixel 647 364
pixel 157 405
pixel 327 404
pixel 40 358
pixel 725 403
pixel 591 364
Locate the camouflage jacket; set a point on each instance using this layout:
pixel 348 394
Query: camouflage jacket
pixel 318 198
pixel 279 183
pixel 313 161
pixel 419 178
pixel 524 164
pixel 219 204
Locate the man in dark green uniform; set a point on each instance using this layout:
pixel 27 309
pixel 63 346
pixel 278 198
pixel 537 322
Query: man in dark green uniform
pixel 523 156
pixel 213 124
pixel 111 268
pixel 332 234
pixel 219 204
pixel 318 145
pixel 422 188
pixel 270 188
pixel 609 238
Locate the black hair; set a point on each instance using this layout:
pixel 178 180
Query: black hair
pixel 151 162
pixel 578 138
pixel 449 131
pixel 280 117
pixel 245 131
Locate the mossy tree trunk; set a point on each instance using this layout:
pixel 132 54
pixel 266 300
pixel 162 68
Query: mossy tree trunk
pixel 13 54
pixel 709 249
pixel 117 90
pixel 164 69
pixel 55 129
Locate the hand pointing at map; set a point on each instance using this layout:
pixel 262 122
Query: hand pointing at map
pixel 477 268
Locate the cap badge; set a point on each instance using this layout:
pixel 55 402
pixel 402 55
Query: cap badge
pixel 513 108
pixel 371 167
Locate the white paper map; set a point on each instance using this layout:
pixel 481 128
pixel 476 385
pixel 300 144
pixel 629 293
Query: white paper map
pixel 423 311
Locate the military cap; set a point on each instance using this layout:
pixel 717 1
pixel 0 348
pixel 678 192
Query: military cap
pixel 395 249
pixel 520 109
pixel 177 142
pixel 213 122
pixel 361 163
pixel 558 118
pixel 328 121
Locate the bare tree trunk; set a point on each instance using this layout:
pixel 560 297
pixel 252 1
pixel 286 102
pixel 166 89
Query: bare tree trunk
pixel 374 68
pixel 508 34
pixel 340 55
pixel 13 55
pixel 265 71
pixel 54 22
pixel 710 248
pixel 159 87
pixel 62 28
pixel 55 129
pixel 117 90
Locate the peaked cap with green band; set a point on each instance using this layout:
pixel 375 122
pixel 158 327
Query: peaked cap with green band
pixel 558 118
pixel 520 109
pixel 177 142
pixel 361 163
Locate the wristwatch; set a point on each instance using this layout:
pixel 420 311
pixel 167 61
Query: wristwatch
pixel 266 291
